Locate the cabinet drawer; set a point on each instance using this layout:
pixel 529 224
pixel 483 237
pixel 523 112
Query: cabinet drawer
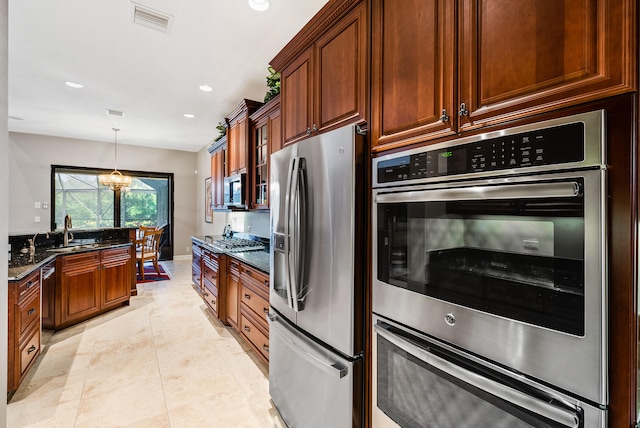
pixel 78 261
pixel 29 350
pixel 211 300
pixel 234 268
pixel 27 285
pixel 254 334
pixel 255 302
pixel 210 274
pixel 29 312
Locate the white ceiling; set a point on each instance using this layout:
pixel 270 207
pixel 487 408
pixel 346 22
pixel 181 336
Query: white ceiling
pixel 151 76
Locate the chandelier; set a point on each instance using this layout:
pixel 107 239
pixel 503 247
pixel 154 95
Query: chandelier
pixel 115 181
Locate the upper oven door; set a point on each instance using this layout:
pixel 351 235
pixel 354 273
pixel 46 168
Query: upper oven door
pixel 512 269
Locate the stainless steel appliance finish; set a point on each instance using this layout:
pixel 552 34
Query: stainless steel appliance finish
pixel 467 391
pixel 506 261
pixel 317 255
pixel 235 245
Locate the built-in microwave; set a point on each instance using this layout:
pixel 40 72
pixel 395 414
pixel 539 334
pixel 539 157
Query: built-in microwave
pixel 234 191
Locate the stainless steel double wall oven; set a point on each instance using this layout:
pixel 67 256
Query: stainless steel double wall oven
pixel 490 279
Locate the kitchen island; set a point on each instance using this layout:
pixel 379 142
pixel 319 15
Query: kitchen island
pixel 53 287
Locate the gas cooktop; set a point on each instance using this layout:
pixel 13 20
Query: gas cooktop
pixel 236 245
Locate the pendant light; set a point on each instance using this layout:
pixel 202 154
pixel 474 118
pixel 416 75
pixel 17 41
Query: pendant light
pixel 115 181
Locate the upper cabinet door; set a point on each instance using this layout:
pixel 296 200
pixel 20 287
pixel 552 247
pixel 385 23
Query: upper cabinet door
pixel 517 58
pixel 413 53
pixel 296 97
pixel 340 81
pixel 324 75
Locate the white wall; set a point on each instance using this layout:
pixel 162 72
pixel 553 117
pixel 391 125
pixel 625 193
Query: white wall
pixel 4 203
pixel 31 157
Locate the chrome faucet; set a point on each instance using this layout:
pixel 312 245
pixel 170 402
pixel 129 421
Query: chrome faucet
pixel 32 246
pixel 68 236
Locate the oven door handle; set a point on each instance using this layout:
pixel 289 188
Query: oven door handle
pixel 564 189
pixel 566 417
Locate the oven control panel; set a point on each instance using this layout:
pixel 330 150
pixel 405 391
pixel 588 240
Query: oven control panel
pixel 547 146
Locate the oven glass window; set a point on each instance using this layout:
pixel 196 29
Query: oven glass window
pixel 416 395
pixel 518 258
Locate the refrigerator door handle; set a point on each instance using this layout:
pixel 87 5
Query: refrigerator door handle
pixel 336 369
pixel 295 237
pixel 291 176
pixel 301 236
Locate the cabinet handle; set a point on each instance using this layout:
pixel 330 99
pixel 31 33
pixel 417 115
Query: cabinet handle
pixel 265 310
pixel 315 128
pixel 31 349
pixel 308 131
pixel 246 328
pixel 248 272
pixel 30 284
pixel 31 311
pixel 463 110
pixel 265 348
pixel 206 294
pixel 247 296
pixel 444 117
pixel 266 282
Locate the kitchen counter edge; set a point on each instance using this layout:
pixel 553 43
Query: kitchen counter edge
pixel 256 259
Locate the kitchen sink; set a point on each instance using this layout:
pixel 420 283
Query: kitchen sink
pixel 73 248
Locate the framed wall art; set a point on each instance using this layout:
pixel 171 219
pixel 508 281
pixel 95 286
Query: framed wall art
pixel 208 210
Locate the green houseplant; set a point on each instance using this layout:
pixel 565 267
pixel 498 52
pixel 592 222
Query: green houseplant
pixel 273 83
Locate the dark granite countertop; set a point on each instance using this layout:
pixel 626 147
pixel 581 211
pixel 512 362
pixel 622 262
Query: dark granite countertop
pixel 19 266
pixel 256 259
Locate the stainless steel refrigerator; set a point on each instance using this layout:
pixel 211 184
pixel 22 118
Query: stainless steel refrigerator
pixel 318 256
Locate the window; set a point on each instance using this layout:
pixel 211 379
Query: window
pixel 148 202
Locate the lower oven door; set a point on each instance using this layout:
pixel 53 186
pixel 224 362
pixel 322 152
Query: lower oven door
pixel 419 382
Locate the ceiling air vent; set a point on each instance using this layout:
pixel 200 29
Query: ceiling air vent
pixel 115 112
pixel 150 18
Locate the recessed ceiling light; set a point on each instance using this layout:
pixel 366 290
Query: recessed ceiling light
pixel 15 118
pixel 189 115
pixel 259 5
pixel 206 88
pixel 74 85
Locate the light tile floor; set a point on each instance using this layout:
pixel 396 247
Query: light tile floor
pixel 163 361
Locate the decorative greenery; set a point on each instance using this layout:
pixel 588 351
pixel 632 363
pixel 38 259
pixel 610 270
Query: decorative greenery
pixel 273 83
pixel 222 129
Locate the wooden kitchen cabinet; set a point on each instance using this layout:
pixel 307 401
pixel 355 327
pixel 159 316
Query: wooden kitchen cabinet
pixel 196 265
pixel 238 137
pixel 79 287
pixel 412 70
pixel 23 328
pixel 324 72
pixel 90 283
pixel 254 308
pixel 514 59
pixel 214 289
pixel 114 273
pixel 218 171
pixel 233 288
pixel 266 138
